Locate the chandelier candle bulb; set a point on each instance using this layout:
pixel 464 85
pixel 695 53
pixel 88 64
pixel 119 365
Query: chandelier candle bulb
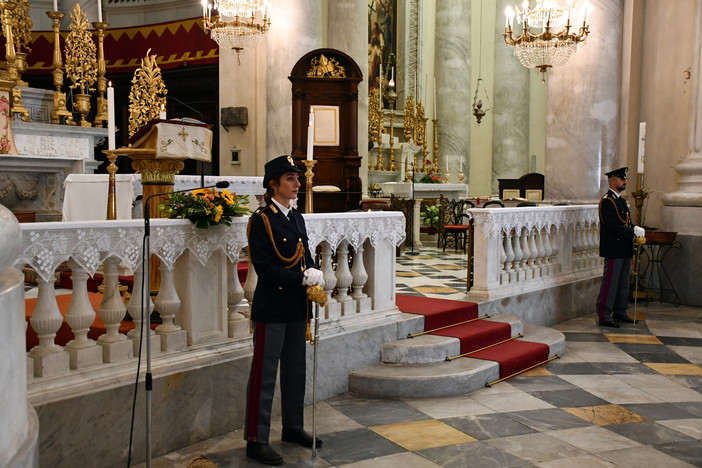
pixel 310 138
pixel 110 116
pixel 642 147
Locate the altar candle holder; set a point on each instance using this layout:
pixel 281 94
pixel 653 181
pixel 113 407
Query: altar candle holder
pixel 461 176
pixel 639 197
pixel 379 136
pixel 309 175
pixel 11 60
pixel 101 115
pixel 112 185
pixel 59 111
pixel 436 144
pixel 447 176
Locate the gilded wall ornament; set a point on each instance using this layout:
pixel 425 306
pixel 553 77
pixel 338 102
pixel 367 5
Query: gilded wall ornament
pixel 81 66
pixel 147 95
pixel 324 67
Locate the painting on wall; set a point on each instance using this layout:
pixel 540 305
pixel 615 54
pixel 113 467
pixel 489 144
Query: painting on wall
pixel 382 40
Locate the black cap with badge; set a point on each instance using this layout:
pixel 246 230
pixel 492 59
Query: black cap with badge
pixel 279 165
pixel 621 173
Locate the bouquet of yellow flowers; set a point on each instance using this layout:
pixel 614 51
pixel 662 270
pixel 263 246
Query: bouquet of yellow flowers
pixel 205 207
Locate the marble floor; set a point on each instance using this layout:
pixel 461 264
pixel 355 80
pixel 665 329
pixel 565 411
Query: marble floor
pixel 618 397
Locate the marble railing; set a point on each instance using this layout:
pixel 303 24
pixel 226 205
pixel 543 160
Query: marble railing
pixel 525 249
pixel 201 301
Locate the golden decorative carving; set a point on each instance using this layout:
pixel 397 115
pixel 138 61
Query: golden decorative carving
pixel 101 114
pixel 409 118
pixel 147 94
pixel 324 67
pixel 80 53
pixel 59 114
pixel 157 171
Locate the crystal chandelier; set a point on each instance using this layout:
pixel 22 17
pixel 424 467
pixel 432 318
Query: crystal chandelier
pixel 236 24
pixel 547 40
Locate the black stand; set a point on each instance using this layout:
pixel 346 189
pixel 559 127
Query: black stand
pixel 412 252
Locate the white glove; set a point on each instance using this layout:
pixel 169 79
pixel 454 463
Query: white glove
pixel 313 276
pixel 639 231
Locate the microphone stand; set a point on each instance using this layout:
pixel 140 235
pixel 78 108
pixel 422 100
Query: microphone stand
pixel 148 380
pixel 412 252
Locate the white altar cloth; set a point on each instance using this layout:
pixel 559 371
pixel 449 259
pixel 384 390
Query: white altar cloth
pixel 85 197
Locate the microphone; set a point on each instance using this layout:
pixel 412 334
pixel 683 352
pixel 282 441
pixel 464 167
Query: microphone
pixel 147 227
pixel 202 117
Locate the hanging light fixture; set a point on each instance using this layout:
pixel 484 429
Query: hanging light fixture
pixel 547 40
pixel 236 24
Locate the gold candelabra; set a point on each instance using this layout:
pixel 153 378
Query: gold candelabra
pixel 639 197
pixel 7 13
pixel 435 121
pixel 101 115
pixel 392 99
pixel 309 175
pixel 420 134
pixel 22 35
pixel 80 62
pixel 409 128
pixel 59 114
pixel 147 95
pixel 375 124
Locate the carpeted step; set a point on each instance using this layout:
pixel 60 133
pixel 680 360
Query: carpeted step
pixel 423 380
pixel 435 347
pixel 437 312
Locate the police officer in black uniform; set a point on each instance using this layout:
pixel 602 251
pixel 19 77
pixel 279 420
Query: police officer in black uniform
pixel 617 234
pixel 280 312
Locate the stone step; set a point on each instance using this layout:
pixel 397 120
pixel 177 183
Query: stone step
pixel 440 378
pixel 434 348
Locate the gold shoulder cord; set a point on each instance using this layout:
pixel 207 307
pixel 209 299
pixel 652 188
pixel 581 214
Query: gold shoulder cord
pixel 616 210
pixel 299 252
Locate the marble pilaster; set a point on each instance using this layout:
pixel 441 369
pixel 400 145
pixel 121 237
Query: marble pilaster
pixel 295 30
pixel 452 65
pixel 510 109
pixel 582 111
pixel 347 31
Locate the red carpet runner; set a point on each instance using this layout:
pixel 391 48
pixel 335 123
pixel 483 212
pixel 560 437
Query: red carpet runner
pixel 513 356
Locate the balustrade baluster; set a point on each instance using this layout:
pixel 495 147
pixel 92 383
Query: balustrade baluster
pixel 553 240
pixel 140 290
pixel 49 358
pixel 533 253
pixel 540 251
pixel 83 351
pixel 524 245
pixel 235 293
pixel 167 304
pixel 332 309
pixel 250 289
pixel 360 276
pixel 115 346
pixel 546 236
pixel 518 254
pixel 344 278
pixel 509 252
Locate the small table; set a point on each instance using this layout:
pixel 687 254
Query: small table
pixel 655 254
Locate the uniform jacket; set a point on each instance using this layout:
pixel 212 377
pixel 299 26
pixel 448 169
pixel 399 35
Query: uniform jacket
pixel 616 228
pixel 280 295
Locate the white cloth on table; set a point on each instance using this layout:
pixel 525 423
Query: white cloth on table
pixel 85 197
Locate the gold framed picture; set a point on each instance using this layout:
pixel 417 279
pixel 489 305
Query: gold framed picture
pixel 326 125
pixel 534 195
pixel 510 193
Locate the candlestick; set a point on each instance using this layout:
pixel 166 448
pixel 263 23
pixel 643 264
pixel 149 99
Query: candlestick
pixel 435 98
pixel 380 87
pixel 642 147
pixel 309 175
pixel 99 8
pixel 310 138
pixel 110 117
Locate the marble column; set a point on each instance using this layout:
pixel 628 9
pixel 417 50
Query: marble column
pixel 347 31
pixel 682 210
pixel 20 428
pixel 582 111
pixel 452 68
pixel 510 147
pixel 296 28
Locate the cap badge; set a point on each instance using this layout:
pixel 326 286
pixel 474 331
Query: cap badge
pixel 290 160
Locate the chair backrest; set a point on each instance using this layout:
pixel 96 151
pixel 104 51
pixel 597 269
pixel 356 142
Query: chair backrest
pixel 526 203
pixel 494 202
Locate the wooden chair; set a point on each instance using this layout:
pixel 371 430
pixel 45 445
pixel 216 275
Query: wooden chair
pixel 457 224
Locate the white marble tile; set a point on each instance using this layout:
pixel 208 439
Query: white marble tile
pixel 600 352
pixel 674 394
pixel 535 447
pixel 393 461
pixel 642 457
pixel 448 407
pixel 513 402
pixel 674 328
pixel 624 395
pixel 594 381
pixel 689 427
pixel 593 439
pixel 691 353
pixel 647 380
pixel 583 461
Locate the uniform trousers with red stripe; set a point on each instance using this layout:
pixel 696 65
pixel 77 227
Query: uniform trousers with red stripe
pixel 613 299
pixel 273 343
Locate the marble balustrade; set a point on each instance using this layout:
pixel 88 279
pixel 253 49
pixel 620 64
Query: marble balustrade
pixel 201 300
pixel 525 249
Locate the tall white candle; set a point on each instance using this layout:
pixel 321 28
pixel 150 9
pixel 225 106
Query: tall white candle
pixel 446 164
pixel 110 116
pixel 55 5
pixel 434 98
pixel 99 2
pixel 380 86
pixel 162 113
pixel 310 138
pixel 642 147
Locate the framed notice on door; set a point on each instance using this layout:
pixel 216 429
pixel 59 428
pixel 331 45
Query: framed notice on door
pixel 326 125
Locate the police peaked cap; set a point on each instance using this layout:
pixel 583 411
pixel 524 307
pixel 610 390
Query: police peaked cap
pixel 279 165
pixel 621 173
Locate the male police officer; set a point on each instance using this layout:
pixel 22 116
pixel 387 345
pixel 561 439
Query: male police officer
pixel 617 234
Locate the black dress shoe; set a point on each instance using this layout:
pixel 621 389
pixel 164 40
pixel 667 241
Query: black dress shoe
pixel 624 319
pixel 299 436
pixel 263 453
pixel 610 324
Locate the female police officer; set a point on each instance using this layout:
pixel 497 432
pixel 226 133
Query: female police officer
pixel 284 265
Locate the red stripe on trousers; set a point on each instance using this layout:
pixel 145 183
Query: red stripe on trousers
pixel 607 281
pixel 255 382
